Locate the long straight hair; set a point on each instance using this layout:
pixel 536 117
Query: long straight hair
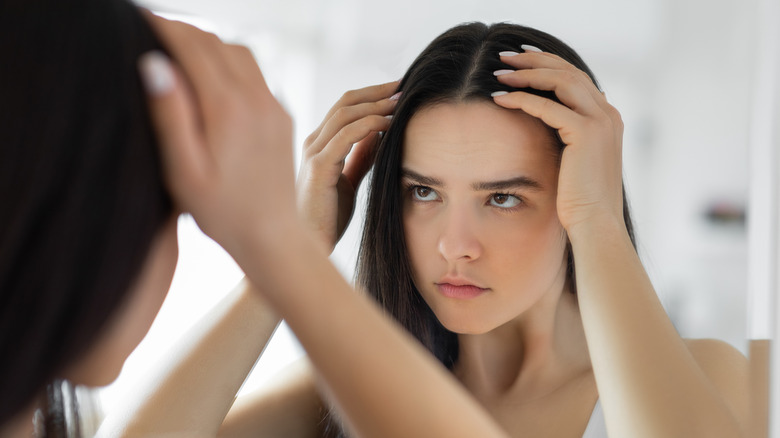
pixel 81 186
pixel 456 67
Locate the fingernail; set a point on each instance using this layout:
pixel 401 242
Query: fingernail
pixel 502 72
pixel 508 53
pixel 498 93
pixel 396 96
pixel 156 73
pixel 530 48
pixel 389 117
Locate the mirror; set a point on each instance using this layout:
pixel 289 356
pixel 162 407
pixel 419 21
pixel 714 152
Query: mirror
pixel 764 228
pixel 680 72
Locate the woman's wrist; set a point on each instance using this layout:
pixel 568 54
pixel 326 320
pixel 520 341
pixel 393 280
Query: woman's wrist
pixel 597 227
pixel 260 237
pixel 270 252
pixel 253 298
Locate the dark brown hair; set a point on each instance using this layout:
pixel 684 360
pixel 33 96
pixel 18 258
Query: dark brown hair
pixel 81 186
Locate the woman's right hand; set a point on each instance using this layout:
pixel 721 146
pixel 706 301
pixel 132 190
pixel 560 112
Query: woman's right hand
pixel 226 142
pixel 327 181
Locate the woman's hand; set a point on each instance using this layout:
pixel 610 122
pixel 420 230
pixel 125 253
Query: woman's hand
pixel 590 179
pixel 636 352
pixel 226 143
pixel 328 182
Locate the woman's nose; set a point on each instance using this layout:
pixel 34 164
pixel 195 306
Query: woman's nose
pixel 458 238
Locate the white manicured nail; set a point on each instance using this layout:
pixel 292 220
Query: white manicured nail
pixel 530 48
pixel 396 96
pixel 508 53
pixel 156 72
pixel 502 72
pixel 498 93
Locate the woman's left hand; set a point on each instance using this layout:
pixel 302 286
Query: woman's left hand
pixel 590 179
pixel 630 339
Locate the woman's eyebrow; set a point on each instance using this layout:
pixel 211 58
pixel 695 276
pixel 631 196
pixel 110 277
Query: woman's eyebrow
pixel 423 180
pixel 512 183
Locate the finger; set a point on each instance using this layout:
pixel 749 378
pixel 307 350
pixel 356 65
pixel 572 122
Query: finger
pixel 372 93
pixel 564 83
pixel 346 115
pixel 338 148
pixel 539 60
pixel 176 124
pixel 361 159
pixel 201 56
pixel 533 60
pixel 554 114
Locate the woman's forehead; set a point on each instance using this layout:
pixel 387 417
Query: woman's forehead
pixel 477 138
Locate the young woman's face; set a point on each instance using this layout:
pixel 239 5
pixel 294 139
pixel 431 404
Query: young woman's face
pixel 479 187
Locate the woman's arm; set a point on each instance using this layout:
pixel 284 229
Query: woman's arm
pixel 190 392
pixel 647 376
pixel 227 150
pixel 326 186
pixel 649 381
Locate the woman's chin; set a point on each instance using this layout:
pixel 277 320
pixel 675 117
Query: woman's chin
pixel 466 326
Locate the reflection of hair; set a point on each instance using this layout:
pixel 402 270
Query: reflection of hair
pixel 80 181
pixel 457 66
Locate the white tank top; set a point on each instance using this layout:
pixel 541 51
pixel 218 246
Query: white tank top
pixel 597 426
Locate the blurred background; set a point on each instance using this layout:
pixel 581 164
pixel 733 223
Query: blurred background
pixel 680 71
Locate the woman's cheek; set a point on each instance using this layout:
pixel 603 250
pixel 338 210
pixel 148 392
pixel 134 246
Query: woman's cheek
pixel 526 232
pixel 420 235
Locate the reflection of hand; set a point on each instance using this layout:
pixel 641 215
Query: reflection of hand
pixel 590 180
pixel 226 142
pixel 327 183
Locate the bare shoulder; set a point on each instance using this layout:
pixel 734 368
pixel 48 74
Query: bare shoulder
pixel 727 369
pixel 289 405
pixel 716 356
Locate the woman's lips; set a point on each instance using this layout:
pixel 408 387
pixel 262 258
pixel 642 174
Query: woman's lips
pixel 463 292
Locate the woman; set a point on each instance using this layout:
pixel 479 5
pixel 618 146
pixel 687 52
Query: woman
pixel 88 229
pixel 498 174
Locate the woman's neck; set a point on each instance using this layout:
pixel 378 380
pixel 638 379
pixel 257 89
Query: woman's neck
pixel 530 356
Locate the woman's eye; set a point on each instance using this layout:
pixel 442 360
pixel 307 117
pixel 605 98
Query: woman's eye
pixel 421 193
pixel 504 201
